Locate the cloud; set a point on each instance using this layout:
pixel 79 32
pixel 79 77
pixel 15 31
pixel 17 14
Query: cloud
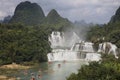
pixel 2 14
pixel 97 11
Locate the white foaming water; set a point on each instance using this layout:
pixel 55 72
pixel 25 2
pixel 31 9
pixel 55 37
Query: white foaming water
pixel 83 46
pixel 57 39
pixel 93 57
pixel 88 47
pixel 108 48
pixel 79 50
pixel 61 40
pixel 63 55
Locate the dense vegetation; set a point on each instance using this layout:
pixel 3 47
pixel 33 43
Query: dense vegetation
pixel 28 13
pixel 107 69
pixel 107 32
pixel 23 44
pixel 31 14
pixel 56 22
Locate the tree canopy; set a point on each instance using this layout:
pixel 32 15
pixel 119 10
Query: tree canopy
pixel 20 44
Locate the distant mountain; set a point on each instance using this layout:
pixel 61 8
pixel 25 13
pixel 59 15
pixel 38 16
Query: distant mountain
pixel 1 21
pixel 116 17
pixel 7 19
pixel 54 20
pixel 32 14
pixel 81 23
pixel 28 13
pixel 53 17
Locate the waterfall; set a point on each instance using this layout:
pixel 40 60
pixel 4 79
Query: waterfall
pixel 108 48
pixel 83 46
pixel 56 39
pixel 93 57
pixel 62 55
pixel 88 47
pixel 78 48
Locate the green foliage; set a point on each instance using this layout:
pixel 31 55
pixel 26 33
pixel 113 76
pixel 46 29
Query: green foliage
pixel 20 44
pixel 96 33
pixel 114 37
pixel 31 14
pixel 56 22
pixel 107 69
pixel 110 32
pixel 28 13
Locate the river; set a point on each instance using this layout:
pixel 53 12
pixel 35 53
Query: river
pixel 51 71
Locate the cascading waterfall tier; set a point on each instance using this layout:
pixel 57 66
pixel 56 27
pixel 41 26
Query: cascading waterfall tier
pixel 79 50
pixel 61 40
pixel 83 46
pixel 108 48
pixel 57 39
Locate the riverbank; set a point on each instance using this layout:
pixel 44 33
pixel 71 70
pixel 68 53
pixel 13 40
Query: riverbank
pixel 6 70
pixel 3 77
pixel 14 66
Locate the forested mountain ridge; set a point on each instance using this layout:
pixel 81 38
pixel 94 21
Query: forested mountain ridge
pixel 31 14
pixel 28 13
pixel 54 18
pixel 116 17
pixel 54 21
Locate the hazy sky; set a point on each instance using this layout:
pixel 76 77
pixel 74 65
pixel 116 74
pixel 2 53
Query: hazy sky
pixel 96 11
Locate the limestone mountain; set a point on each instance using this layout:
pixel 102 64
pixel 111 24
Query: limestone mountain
pixel 116 17
pixel 28 13
pixel 54 20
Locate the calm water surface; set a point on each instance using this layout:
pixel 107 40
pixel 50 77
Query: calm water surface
pixel 52 71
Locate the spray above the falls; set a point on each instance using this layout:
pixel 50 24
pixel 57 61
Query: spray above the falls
pixel 61 40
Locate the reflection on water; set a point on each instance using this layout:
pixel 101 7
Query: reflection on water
pixel 51 71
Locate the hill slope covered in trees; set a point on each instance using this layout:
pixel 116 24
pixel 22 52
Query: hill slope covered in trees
pixel 110 32
pixel 23 44
pixel 31 14
pixel 28 13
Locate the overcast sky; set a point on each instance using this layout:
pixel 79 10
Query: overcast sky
pixel 96 11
